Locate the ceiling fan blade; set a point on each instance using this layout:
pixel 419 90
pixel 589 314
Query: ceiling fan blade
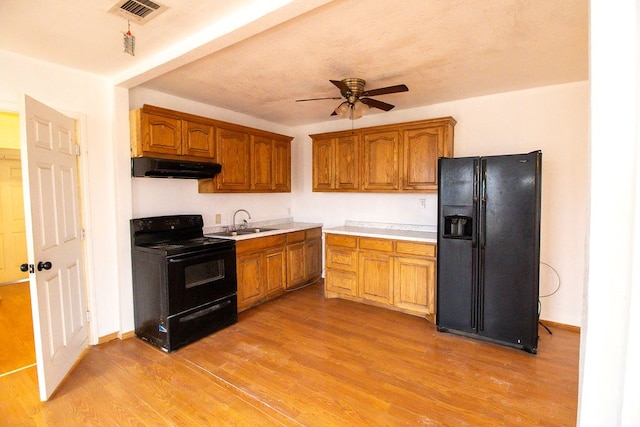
pixel 341 85
pixel 377 104
pixel 386 90
pixel 317 99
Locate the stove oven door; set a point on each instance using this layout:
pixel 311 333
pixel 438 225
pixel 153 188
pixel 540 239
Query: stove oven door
pixel 201 277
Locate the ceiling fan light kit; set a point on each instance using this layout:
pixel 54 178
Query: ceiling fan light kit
pixel 357 99
pixel 353 110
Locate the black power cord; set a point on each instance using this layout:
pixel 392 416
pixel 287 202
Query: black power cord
pixel 548 295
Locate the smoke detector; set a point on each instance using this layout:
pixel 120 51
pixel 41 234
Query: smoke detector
pixel 138 11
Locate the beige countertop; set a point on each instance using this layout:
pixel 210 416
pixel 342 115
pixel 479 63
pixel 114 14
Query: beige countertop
pixel 278 228
pixel 416 233
pixel 397 232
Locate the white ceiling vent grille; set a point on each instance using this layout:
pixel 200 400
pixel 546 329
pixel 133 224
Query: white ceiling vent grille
pixel 138 11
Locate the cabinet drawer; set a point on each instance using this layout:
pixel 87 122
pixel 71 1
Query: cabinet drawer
pixel 295 237
pixel 341 282
pixel 342 259
pixel 259 243
pixel 416 248
pixel 341 240
pixel 383 245
pixel 313 233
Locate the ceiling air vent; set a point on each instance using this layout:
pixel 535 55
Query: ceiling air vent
pixel 138 11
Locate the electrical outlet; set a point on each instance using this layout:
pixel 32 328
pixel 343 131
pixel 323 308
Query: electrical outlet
pixel 218 218
pixel 423 203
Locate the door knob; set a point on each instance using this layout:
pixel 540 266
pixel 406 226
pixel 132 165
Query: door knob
pixel 44 265
pixel 24 267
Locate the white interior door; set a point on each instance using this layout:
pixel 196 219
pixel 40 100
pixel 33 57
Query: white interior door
pixel 54 241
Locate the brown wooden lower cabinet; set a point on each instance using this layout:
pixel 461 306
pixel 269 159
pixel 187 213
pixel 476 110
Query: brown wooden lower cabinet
pixel 266 266
pixel 304 257
pixel 375 277
pixel 395 274
pixel 276 271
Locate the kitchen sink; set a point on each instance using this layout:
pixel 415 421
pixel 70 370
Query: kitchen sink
pixel 243 231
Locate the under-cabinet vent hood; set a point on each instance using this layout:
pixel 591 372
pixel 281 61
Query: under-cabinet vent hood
pixel 163 168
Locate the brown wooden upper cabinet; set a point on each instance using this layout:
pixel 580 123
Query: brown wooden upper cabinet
pixel 335 163
pixel 158 132
pixel 253 160
pixel 234 153
pixel 391 158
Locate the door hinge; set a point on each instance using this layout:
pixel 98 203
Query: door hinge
pixel 77 149
pixel 83 233
pixel 88 316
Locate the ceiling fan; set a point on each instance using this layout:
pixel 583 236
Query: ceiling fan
pixel 357 99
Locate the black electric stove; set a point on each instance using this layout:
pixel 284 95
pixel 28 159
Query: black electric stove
pixel 184 284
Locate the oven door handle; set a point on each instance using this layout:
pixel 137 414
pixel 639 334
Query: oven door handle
pixel 196 256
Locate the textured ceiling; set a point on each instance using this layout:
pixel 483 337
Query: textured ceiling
pixel 442 50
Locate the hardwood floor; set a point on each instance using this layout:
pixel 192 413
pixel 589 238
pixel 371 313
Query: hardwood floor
pixel 304 360
pixel 17 349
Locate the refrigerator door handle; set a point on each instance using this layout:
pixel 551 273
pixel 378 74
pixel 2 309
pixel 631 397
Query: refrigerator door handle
pixel 483 241
pixel 476 191
pixel 474 291
pixel 482 232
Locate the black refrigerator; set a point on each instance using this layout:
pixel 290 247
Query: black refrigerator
pixel 489 248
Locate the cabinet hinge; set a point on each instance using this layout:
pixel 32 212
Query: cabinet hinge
pixel 77 149
pixel 88 316
pixel 83 233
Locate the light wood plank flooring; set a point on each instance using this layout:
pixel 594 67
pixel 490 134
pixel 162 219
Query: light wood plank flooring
pixel 305 360
pixel 17 349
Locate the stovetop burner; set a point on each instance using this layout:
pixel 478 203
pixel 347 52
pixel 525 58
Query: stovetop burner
pixel 186 246
pixel 173 235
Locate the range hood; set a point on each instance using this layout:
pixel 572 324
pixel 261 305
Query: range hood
pixel 163 168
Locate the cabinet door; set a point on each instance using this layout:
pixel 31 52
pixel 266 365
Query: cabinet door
pixel 341 282
pixel 342 259
pixel 251 271
pixel 198 140
pixel 380 156
pixel 161 135
pixel 414 284
pixel 323 164
pixel 295 264
pixel 312 259
pixel 261 163
pixel 347 165
pixel 375 277
pixel 282 166
pixel 421 148
pixel 234 153
pixel 275 265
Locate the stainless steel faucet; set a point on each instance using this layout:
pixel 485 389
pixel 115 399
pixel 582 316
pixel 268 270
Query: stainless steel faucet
pixel 245 221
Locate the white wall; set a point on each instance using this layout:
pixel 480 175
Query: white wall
pixel 610 339
pixel 90 99
pixel 553 119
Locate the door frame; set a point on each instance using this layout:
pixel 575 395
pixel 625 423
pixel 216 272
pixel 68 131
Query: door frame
pixel 85 212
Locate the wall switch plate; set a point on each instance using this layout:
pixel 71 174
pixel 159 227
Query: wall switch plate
pixel 423 203
pixel 218 218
